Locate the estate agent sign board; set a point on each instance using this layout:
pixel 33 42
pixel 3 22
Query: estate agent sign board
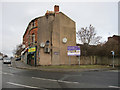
pixel 73 50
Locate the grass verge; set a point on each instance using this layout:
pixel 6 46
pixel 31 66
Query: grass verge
pixel 76 67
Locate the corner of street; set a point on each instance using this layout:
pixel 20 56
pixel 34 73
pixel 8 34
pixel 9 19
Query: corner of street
pixel 22 65
pixel 62 45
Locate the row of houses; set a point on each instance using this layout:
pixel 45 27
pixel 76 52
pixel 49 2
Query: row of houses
pixel 47 37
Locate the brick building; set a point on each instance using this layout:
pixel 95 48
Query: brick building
pixel 114 37
pixel 47 37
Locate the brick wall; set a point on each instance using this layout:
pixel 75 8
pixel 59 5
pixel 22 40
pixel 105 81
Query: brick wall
pixel 32 28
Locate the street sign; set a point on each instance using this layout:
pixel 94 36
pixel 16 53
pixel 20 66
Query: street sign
pixel 113 53
pixel 73 50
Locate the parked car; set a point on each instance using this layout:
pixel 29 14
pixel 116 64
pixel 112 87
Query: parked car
pixel 1 58
pixel 18 59
pixel 6 60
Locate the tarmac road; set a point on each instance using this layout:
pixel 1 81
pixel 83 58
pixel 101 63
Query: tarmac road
pixel 21 78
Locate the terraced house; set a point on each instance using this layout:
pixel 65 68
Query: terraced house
pixel 47 37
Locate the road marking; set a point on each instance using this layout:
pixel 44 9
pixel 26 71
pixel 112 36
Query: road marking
pixel 68 82
pixel 9 67
pixel 8 73
pixel 44 79
pixel 55 80
pixel 114 86
pixel 21 85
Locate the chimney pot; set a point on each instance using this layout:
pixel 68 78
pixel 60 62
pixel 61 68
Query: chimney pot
pixel 56 9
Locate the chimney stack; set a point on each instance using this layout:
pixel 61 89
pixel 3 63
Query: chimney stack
pixel 56 9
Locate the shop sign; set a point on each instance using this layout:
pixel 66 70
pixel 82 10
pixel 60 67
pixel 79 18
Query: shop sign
pixel 73 50
pixel 32 49
pixel 56 53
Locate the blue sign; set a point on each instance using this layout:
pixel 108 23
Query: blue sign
pixel 73 50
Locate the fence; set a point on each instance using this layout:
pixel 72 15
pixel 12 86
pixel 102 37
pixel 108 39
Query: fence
pixel 97 60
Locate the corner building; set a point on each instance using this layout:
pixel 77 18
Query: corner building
pixel 53 33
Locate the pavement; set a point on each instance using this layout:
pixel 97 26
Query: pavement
pixel 22 65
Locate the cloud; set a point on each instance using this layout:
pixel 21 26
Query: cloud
pixel 16 17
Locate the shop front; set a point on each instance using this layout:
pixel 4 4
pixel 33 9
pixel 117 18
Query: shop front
pixel 31 57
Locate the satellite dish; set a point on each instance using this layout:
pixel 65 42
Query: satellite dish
pixel 64 40
pixel 42 44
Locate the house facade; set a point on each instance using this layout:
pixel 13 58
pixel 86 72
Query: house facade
pixel 47 37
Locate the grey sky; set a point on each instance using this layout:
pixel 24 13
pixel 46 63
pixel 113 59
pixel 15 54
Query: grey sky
pixel 16 16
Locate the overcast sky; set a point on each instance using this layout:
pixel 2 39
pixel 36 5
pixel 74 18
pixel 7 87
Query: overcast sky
pixel 15 17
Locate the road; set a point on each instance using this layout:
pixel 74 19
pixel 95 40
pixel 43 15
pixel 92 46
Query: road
pixel 21 78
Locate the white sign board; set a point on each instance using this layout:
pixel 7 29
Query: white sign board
pixel 73 50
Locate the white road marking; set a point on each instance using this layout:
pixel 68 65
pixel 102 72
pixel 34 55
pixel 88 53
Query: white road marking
pixel 55 80
pixel 9 67
pixel 114 86
pixel 21 85
pixel 68 82
pixel 44 79
pixel 8 73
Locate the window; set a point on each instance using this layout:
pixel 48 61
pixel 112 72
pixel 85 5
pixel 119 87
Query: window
pixel 47 42
pixel 33 24
pixel 33 38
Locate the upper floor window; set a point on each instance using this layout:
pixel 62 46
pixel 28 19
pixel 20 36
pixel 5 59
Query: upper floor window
pixel 33 38
pixel 33 24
